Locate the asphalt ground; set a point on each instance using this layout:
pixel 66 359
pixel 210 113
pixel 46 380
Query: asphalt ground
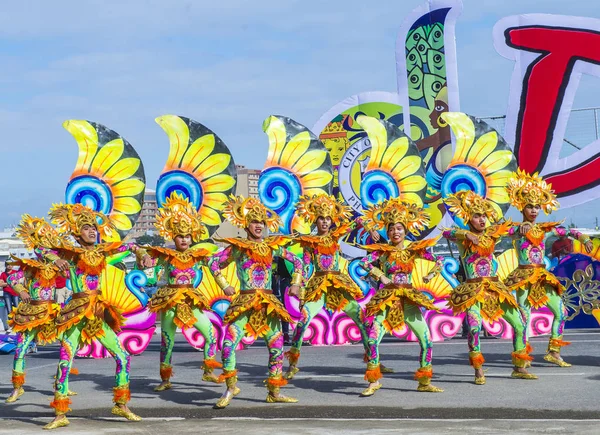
pixel 563 400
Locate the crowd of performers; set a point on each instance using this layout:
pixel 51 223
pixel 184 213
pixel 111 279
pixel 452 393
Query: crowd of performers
pixel 68 245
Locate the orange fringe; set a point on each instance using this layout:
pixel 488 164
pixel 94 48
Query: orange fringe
pixel 121 395
pixel 74 371
pixel 519 358
pixel 557 342
pixel 61 405
pixel 423 373
pixel 277 382
pixel 89 269
pixel 477 361
pixel 528 348
pixel 166 373
pixel 18 380
pixel 293 356
pixel 373 375
pixel 226 375
pixel 212 364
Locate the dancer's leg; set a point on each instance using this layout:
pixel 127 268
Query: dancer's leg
pixel 520 355
pixel 476 359
pixel 309 311
pixel 556 305
pixel 413 316
pixel 167 342
pixel 24 339
pixel 233 335
pixel 274 339
pixel 207 329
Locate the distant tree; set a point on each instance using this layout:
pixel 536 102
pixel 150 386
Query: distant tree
pixel 150 239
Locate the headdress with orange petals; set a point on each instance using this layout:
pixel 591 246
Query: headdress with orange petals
pixel 71 218
pixel 178 217
pixel 393 211
pixel 36 232
pixel 465 204
pixel 524 188
pixel 241 211
pixel 310 207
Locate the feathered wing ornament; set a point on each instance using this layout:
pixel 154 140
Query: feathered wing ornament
pixel 199 167
pixel 108 177
pixel 395 169
pixel 297 164
pixel 482 163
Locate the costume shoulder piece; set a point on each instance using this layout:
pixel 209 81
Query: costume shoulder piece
pixel 181 260
pixel 108 178
pixel 37 232
pixel 258 251
pixel 422 244
pixel 383 247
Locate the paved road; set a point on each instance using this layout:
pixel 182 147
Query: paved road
pixel 328 389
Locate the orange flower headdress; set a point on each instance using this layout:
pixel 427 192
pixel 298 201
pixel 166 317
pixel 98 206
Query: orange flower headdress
pixel 524 188
pixel 393 211
pixel 240 211
pixel 71 218
pixel 311 207
pixel 178 217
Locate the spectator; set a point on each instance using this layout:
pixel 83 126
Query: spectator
pixel 153 275
pixel 11 298
pixel 281 281
pixel 63 294
pixel 562 247
pixel 3 313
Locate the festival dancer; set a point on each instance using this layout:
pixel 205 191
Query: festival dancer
pixel 88 315
pixel 482 295
pixel 329 286
pixel 397 301
pixel 535 286
pixel 254 310
pixel 35 282
pixel 179 303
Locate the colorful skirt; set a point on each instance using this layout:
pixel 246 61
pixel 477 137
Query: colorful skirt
pixel 339 288
pixel 261 304
pixel 393 297
pixel 184 297
pixel 36 315
pixel 91 308
pixel 534 278
pixel 489 291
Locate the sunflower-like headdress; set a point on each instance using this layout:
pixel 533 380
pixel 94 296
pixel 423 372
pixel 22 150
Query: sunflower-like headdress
pixel 71 218
pixel 465 204
pixel 524 188
pixel 240 211
pixel 178 217
pixel 310 207
pixel 393 211
pixel 36 232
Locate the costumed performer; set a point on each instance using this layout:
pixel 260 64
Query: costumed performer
pixel 88 315
pixel 179 302
pixel 535 286
pixel 255 310
pixel 482 295
pixel 397 302
pixel 329 286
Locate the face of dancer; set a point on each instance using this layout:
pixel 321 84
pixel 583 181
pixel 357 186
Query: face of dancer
pixel 396 233
pixel 323 224
pixel 182 242
pixel 478 222
pixel 89 235
pixel 531 212
pixel 255 230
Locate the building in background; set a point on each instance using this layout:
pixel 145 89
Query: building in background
pixel 147 217
pixel 247 185
pixel 11 244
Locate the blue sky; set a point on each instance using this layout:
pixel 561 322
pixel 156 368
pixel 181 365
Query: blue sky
pixel 228 65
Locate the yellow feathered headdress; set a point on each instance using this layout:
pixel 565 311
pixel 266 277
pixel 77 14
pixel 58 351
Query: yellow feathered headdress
pixel 178 217
pixel 465 204
pixel 311 207
pixel 393 211
pixel 37 232
pixel 241 211
pixel 524 189
pixel 71 218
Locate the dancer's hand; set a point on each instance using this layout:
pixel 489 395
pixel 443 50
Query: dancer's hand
pixel 427 278
pixel 589 245
pixel 385 280
pixel 375 236
pixel 294 290
pixel 25 297
pixel 229 291
pixel 524 228
pixel 63 265
pixel 146 261
pixel 472 238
